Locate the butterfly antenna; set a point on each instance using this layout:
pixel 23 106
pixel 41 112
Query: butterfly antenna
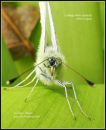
pixel 87 81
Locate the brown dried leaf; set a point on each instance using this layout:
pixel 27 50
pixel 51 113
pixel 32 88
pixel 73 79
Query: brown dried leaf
pixel 25 19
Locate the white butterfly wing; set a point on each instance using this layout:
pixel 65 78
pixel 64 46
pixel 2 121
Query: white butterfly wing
pixel 42 6
pixel 52 30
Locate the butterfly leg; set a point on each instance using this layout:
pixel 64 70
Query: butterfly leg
pixel 30 82
pixel 75 96
pixel 66 94
pixel 17 85
pixel 26 99
pixel 46 76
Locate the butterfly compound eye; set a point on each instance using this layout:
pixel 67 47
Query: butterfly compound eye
pixel 52 61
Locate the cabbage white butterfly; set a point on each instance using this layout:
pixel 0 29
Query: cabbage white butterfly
pixel 49 59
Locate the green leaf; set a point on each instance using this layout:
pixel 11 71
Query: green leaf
pixel 8 68
pixel 48 107
pixel 35 36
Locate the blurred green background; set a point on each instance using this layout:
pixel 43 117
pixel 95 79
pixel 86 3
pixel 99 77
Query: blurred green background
pixel 81 40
